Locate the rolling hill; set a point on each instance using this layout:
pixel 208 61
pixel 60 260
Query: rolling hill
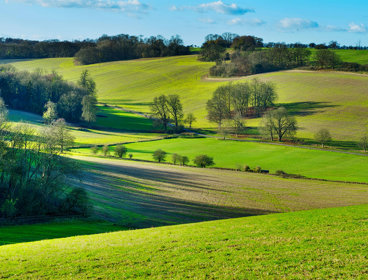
pixel 337 101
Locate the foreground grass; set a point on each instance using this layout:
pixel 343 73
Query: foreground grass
pixel 232 154
pixel 317 244
pixel 51 230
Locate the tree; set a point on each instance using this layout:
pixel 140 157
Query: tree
pixel 219 106
pixel 120 151
pixel 175 158
pixel 94 149
pixel 238 124
pixel 159 155
pixel 175 108
pixel 278 123
pixel 87 83
pixel 326 58
pixel 184 160
pixel 363 143
pixel 105 150
pixel 203 161
pixel 190 119
pixel 51 112
pixel 160 110
pixel 89 108
pixel 323 136
pixel 63 137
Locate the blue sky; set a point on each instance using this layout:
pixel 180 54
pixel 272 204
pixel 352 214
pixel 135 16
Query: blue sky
pixel 274 20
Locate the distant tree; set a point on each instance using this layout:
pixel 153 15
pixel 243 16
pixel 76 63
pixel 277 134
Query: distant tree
pixel 175 158
pixel 203 161
pixel 51 112
pixel 120 151
pixel 278 123
pixel 323 136
pixel 105 150
pixel 89 108
pixel 225 129
pixel 219 106
pixel 184 160
pixel 94 149
pixel 247 43
pixel 159 155
pixel 212 50
pixel 326 58
pixel 238 124
pixel 175 108
pixel 190 119
pixel 363 143
pixel 130 156
pixel 160 110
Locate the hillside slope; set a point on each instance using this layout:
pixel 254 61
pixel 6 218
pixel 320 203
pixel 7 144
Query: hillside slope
pixel 318 244
pixel 337 101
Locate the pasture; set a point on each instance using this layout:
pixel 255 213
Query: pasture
pixel 311 163
pixel 316 244
pixel 333 100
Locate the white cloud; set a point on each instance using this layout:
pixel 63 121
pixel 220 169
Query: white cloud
pixel 248 21
pixel 217 7
pixel 207 20
pixel 357 28
pixel 117 5
pixel 294 24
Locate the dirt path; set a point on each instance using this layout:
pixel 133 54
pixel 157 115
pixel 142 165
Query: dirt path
pixel 140 194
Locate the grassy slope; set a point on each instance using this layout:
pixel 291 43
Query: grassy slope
pixel 28 233
pixel 85 136
pixel 318 244
pixel 319 99
pixel 231 154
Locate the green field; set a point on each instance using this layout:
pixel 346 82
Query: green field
pixel 317 244
pixel 51 230
pixel 231 154
pixel 318 99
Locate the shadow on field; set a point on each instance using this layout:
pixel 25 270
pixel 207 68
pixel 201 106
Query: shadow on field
pixel 133 204
pixel 306 108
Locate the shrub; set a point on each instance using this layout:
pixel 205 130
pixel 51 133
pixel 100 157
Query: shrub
pixel 94 149
pixel 247 168
pixel 203 161
pixel 258 169
pixel 120 151
pixel 130 156
pixel 280 173
pixel 159 155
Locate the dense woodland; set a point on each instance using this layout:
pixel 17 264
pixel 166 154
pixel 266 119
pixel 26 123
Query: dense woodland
pixel 31 92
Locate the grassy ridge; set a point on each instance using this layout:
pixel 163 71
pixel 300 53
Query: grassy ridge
pixel 231 154
pixel 314 244
pixel 318 99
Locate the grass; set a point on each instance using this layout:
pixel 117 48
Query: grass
pixel 231 154
pixel 329 100
pixel 88 136
pixel 51 230
pixel 317 244
pixel 138 195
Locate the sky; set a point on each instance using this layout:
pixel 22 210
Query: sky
pixel 319 21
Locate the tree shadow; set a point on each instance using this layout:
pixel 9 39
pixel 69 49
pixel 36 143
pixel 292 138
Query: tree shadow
pixel 306 108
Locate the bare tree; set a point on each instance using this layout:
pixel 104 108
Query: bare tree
pixel 175 108
pixel 323 136
pixel 190 119
pixel 363 143
pixel 160 110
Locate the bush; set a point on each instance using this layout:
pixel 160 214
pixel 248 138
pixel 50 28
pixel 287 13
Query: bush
pixel 258 169
pixel 77 202
pixel 203 161
pixel 120 151
pixel 176 158
pixel 159 155
pixel 95 149
pixel 184 160
pixel 130 156
pixel 280 173
pixel 247 168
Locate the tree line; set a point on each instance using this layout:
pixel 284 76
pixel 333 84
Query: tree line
pixel 34 175
pixel 124 47
pixel 49 94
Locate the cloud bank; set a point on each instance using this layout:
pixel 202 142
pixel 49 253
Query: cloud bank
pixel 217 7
